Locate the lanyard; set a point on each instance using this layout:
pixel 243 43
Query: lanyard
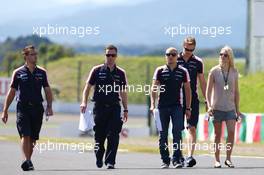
pixel 225 77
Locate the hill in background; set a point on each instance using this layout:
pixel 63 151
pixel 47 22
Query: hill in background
pixel 63 75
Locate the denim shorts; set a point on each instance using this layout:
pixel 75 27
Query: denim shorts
pixel 219 116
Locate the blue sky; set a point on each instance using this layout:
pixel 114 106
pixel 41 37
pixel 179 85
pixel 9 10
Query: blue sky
pixel 126 21
pixel 17 9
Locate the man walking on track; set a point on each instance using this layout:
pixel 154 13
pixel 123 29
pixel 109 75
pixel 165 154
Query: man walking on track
pixel 27 82
pixel 195 67
pixel 172 77
pixel 109 82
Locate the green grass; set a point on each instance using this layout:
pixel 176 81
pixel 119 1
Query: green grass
pixel 63 76
pixel 63 73
pixel 252 93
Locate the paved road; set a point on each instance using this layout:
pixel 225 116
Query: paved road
pixel 63 162
pixel 66 126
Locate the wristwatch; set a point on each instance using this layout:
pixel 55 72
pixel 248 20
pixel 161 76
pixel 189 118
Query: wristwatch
pixel 125 110
pixel 188 109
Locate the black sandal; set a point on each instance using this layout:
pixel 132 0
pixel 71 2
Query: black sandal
pixel 229 164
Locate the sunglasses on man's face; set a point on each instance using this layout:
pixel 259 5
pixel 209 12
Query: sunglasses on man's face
pixel 171 54
pixel 189 50
pixel 223 54
pixel 110 55
pixel 32 54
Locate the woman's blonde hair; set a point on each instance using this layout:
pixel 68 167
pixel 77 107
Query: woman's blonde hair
pixel 230 54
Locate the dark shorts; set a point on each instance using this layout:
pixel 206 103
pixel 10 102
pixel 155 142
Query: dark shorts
pixel 219 116
pixel 29 120
pixel 193 121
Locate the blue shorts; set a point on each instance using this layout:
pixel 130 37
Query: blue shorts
pixel 193 121
pixel 219 116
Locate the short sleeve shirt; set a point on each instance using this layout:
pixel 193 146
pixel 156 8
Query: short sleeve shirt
pixel 28 85
pixel 172 82
pixel 107 83
pixel 195 66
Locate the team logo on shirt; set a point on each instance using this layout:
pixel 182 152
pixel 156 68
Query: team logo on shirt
pixel 102 75
pixel 38 76
pixel 192 66
pixel 23 77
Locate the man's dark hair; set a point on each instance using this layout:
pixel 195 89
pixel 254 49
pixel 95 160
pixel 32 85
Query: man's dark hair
pixel 111 47
pixel 190 40
pixel 28 49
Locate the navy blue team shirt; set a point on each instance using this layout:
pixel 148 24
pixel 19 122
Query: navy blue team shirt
pixel 28 85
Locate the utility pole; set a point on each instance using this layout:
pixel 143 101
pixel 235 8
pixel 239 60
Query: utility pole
pixel 255 36
pixel 79 70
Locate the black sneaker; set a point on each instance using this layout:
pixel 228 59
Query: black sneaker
pixel 25 165
pixel 31 166
pixel 110 166
pixel 190 161
pixel 182 160
pixel 164 165
pixel 177 164
pixel 99 163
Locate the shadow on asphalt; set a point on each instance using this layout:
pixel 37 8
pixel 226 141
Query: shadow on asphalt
pixel 226 168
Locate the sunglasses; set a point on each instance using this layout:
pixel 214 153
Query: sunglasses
pixel 189 50
pixel 110 55
pixel 171 54
pixel 33 54
pixel 223 54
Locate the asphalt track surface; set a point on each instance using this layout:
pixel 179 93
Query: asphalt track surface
pixel 72 162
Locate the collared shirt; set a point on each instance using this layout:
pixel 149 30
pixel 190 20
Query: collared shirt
pixel 28 85
pixel 107 83
pixel 172 82
pixel 195 66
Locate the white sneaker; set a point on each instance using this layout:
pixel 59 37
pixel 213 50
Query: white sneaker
pixel 164 166
pixel 217 165
pixel 110 166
